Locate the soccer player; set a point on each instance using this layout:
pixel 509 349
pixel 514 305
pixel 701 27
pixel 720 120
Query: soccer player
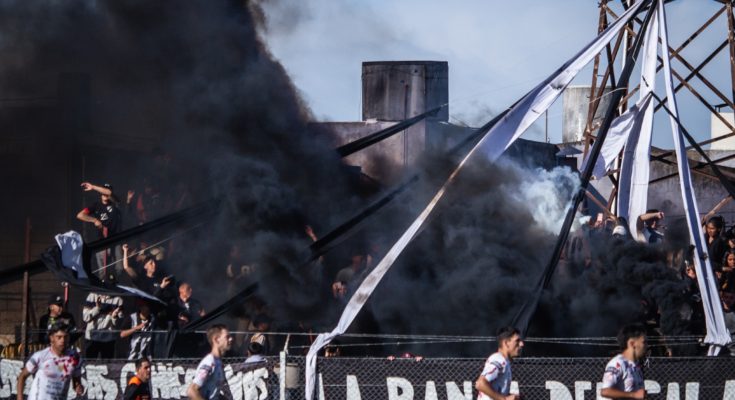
pixel 623 378
pixel 494 382
pixel 53 367
pixel 210 374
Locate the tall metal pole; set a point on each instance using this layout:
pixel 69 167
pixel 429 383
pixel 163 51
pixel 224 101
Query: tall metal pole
pixel 523 318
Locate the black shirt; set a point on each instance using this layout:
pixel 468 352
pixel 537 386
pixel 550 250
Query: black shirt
pixel 137 390
pixel 46 321
pixel 108 214
pixel 191 309
pixel 716 250
pixel 148 284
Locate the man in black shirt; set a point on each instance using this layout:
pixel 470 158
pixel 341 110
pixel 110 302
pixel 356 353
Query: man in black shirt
pixel 106 217
pixel 189 308
pixel 150 279
pixel 55 314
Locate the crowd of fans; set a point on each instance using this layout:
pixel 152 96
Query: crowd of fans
pixel 650 229
pixel 132 327
pixel 108 319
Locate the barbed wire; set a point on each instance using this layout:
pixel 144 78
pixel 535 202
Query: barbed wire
pixel 418 339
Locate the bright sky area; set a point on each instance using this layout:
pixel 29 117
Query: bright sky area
pixel 497 50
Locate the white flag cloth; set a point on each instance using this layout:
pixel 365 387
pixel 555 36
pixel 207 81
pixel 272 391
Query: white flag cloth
pixel 617 136
pixel 535 103
pixel 71 245
pixel 717 333
pixel 494 143
pixel 635 168
pixel 140 293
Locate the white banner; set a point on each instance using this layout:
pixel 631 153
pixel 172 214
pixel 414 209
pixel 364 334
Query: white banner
pixel 617 136
pixel 717 333
pixel 635 168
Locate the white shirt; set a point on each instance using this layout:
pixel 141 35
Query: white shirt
pixel 101 321
pixel 209 376
pixel 622 374
pixel 52 373
pixel 498 374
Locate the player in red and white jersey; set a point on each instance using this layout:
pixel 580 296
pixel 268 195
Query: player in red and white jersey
pixel 494 381
pixel 53 368
pixel 623 378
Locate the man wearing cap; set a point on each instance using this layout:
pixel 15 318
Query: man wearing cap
pixel 105 215
pixel 55 314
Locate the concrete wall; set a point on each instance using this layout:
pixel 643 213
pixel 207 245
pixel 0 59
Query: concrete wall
pixel 718 129
pixel 575 105
pixel 398 90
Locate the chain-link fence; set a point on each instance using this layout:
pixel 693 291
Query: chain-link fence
pixel 170 379
pixel 537 378
pixel 403 378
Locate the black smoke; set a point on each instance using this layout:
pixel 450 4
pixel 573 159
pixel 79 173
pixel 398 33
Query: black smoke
pixel 196 76
pixel 482 254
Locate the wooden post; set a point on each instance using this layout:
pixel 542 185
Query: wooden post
pixel 26 290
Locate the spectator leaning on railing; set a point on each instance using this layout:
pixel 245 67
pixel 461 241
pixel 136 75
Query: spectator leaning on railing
pixel 139 327
pixel 189 308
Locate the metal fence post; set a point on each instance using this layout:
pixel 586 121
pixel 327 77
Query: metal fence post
pixel 282 377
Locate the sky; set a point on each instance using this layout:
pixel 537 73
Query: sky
pixel 496 50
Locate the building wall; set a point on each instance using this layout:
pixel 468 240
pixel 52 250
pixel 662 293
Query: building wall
pixel 398 90
pixel 575 105
pixel 718 128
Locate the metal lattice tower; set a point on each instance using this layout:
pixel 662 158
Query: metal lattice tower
pixel 683 79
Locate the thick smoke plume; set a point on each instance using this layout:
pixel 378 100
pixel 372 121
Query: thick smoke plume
pixel 196 75
pixel 471 270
